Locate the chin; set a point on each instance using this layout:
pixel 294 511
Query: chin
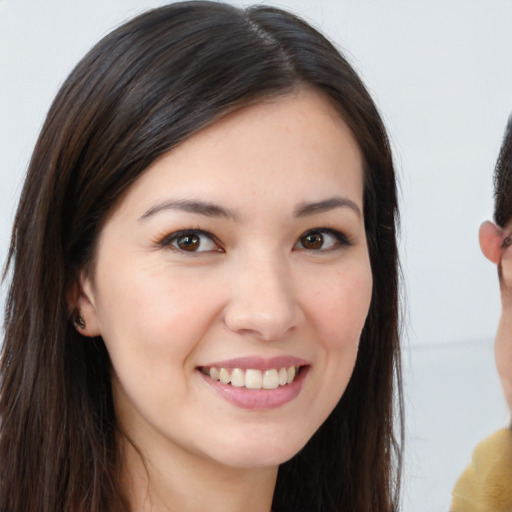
pixel 259 459
pixel 268 452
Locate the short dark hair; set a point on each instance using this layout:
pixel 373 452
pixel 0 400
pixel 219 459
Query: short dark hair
pixel 503 179
pixel 142 90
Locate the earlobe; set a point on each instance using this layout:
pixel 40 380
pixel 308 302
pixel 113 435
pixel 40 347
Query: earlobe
pixel 491 241
pixel 83 305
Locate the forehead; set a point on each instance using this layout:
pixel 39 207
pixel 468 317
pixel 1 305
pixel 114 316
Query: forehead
pixel 286 147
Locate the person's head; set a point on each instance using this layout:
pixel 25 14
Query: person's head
pixel 492 236
pixel 244 122
pixel 495 241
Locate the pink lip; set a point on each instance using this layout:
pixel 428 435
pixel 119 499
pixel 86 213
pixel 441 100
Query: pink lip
pixel 258 363
pixel 258 398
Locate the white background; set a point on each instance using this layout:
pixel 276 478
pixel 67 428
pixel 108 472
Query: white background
pixel 441 73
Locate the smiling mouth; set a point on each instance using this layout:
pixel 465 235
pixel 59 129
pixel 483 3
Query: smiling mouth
pixel 252 378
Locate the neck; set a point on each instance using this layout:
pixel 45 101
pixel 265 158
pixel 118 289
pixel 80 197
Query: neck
pixel 184 482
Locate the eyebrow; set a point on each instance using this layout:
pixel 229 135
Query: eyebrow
pixel 213 210
pixel 192 206
pixel 305 209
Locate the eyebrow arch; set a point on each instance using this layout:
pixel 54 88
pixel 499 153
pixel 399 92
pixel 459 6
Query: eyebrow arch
pixel 192 206
pixel 305 209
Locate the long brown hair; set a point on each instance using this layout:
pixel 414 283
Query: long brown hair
pixel 138 93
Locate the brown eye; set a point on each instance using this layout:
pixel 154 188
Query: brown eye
pixel 188 242
pixel 322 240
pixel 313 240
pixel 191 241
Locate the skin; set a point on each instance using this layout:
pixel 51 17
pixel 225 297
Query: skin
pixel 252 290
pixel 496 248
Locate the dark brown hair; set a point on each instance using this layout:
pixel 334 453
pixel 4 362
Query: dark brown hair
pixel 503 180
pixel 142 90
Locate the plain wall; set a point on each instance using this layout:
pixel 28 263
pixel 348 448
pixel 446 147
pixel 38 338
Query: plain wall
pixel 441 73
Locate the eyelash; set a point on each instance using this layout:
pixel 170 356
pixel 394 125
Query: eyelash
pixel 171 240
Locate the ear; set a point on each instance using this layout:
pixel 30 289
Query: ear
pixel 81 299
pixel 491 241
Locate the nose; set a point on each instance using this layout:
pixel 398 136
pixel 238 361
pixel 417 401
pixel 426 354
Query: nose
pixel 262 302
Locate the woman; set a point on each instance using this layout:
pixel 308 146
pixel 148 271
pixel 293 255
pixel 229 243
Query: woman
pixel 487 483
pixel 203 306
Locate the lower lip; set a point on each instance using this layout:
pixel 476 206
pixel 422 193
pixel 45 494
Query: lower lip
pixel 258 398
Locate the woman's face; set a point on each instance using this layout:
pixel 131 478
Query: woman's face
pixel 235 261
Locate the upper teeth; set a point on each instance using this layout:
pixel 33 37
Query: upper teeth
pixel 253 378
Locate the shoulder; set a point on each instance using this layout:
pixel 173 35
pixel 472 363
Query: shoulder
pixel 486 485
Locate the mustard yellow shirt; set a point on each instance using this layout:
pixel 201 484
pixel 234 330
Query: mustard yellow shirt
pixel 486 485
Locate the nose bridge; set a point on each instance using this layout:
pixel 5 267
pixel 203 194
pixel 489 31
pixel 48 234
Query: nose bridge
pixel 262 302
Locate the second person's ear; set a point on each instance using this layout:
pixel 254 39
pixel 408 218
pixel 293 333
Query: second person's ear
pixel 491 238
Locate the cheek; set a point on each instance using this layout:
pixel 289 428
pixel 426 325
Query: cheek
pixel 152 329
pixel 342 304
pixel 152 317
pixel 503 357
